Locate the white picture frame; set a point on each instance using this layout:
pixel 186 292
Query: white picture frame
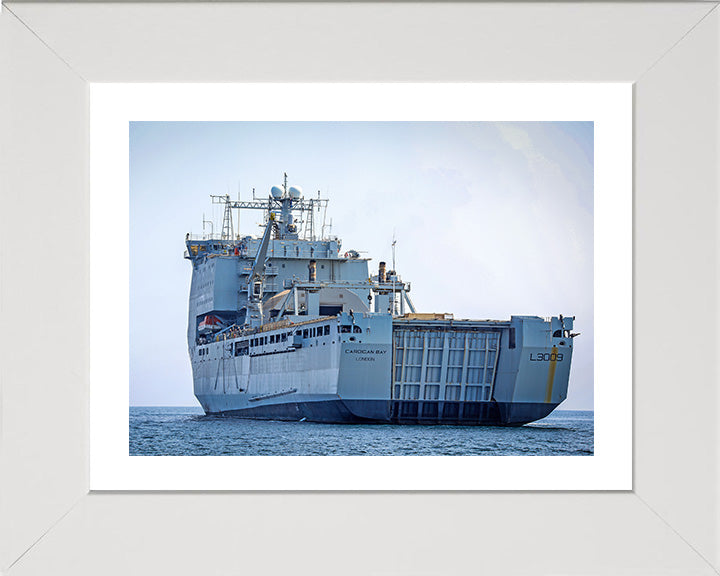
pixel 667 524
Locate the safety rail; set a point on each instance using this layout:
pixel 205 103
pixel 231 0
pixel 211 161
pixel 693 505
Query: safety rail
pixel 286 252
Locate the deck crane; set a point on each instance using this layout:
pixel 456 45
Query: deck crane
pixel 256 278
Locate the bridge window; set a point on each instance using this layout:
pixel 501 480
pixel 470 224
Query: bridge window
pixel 326 330
pixel 357 330
pixel 305 333
pixel 345 329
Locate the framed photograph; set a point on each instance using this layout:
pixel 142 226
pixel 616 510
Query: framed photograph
pixel 558 161
pixel 61 463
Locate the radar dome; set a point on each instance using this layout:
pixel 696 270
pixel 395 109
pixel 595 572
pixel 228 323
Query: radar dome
pixel 276 192
pixel 295 192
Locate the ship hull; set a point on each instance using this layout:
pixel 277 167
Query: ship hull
pixel 338 411
pixel 328 411
pixel 440 372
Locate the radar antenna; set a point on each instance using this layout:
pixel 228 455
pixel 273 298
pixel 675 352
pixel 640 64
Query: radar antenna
pixel 287 200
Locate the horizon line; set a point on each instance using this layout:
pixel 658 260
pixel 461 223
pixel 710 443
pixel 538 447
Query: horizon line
pixel 184 406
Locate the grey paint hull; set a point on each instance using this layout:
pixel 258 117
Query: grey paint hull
pixel 470 373
pixel 337 411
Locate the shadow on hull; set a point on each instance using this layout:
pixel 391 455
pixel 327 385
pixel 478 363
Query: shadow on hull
pixel 399 412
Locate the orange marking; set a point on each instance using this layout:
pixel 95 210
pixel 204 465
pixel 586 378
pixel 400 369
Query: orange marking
pixel 551 375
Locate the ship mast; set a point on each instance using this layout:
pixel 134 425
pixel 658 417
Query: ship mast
pixel 287 199
pixel 394 304
pixel 226 232
pixel 227 227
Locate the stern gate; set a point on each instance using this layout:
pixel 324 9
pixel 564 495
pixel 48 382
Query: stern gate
pixel 444 371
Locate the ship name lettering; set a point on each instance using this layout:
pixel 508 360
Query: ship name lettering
pixel 366 352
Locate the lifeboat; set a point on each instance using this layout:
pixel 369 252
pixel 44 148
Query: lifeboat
pixel 210 324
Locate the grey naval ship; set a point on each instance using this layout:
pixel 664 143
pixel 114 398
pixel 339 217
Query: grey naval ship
pixel 288 326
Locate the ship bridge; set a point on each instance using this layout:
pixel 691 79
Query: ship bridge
pixel 235 275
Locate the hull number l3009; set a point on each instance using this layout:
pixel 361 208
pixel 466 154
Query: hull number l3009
pixel 546 356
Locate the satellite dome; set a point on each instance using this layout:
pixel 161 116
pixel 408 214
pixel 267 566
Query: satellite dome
pixel 276 192
pixel 295 192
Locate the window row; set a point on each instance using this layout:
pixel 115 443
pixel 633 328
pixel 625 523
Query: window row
pixel 271 339
pixel 347 329
pixel 316 331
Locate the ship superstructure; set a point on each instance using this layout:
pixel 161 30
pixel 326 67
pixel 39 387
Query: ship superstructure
pixel 288 326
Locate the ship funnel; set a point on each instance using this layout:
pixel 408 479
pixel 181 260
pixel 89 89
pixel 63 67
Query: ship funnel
pixel 382 276
pixel 312 269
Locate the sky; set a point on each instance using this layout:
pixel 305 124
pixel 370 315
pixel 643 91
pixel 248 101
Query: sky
pixel 491 219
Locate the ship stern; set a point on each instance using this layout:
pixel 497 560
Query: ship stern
pixel 365 365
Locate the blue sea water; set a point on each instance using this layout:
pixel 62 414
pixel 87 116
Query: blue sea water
pixel 171 431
